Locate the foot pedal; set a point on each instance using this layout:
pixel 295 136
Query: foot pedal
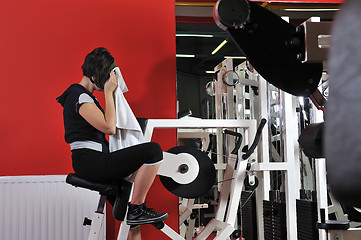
pixel 87 221
pixel 236 234
pixel 158 225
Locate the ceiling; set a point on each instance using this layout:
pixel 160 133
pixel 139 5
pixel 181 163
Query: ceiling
pixel 196 17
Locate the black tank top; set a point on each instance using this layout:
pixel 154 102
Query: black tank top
pixel 76 127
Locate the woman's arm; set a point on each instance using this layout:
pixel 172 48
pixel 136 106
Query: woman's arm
pixel 91 113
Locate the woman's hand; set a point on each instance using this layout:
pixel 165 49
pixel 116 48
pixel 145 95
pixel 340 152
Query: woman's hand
pixel 112 83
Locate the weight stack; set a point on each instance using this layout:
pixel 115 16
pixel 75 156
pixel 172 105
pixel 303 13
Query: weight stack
pixel 249 215
pixel 306 219
pixel 274 220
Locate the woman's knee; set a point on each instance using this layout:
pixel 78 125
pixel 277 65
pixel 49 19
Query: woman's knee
pixel 156 150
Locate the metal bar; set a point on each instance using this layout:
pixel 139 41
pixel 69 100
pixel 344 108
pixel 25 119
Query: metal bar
pixel 96 226
pixel 292 180
pixel 101 204
pixel 171 233
pixel 195 123
pixel 273 166
pixel 321 189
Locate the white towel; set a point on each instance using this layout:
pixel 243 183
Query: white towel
pixel 128 131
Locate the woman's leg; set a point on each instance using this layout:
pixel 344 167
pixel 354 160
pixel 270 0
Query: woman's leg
pixel 143 158
pixel 146 173
pixel 134 234
pixel 138 212
pixel 107 167
pixel 143 181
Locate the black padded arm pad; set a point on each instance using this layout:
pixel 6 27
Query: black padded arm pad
pixel 343 119
pixel 143 123
pixel 311 140
pixel 263 41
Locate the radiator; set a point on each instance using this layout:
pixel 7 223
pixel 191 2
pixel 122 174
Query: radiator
pixel 44 208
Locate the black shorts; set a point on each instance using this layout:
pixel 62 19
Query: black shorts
pixel 104 167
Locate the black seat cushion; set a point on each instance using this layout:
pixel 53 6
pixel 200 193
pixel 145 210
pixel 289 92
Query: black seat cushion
pixel 102 188
pixel 120 190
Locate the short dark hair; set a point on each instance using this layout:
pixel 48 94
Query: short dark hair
pixel 97 66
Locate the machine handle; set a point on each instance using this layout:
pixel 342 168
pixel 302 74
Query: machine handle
pixel 249 151
pixel 238 140
pixel 211 143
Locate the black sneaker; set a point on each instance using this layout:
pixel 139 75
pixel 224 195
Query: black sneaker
pixel 140 214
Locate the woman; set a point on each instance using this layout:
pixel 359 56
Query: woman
pixel 86 124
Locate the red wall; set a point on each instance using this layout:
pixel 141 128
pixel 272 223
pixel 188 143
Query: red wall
pixel 42 46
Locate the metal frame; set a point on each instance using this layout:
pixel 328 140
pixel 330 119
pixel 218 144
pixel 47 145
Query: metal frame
pixel 186 209
pixel 191 123
pixel 350 234
pixel 228 202
pixel 290 166
pixel 97 221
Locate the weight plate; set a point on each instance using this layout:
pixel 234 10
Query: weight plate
pixel 204 181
